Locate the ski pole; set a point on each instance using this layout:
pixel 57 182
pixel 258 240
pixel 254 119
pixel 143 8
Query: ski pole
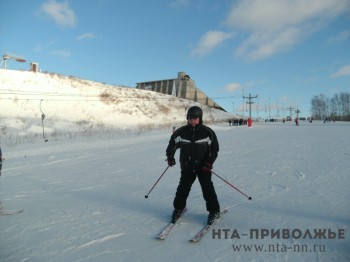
pixel 249 197
pixel 146 196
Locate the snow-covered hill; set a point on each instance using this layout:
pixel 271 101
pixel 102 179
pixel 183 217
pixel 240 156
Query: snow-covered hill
pixel 71 104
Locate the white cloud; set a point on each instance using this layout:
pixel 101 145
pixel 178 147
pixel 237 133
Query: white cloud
pixel 340 38
pixel 179 3
pixel 274 26
pixel 210 41
pixel 41 46
pixel 62 53
pixel 86 36
pixel 232 87
pixel 60 13
pixel 344 71
pixel 259 45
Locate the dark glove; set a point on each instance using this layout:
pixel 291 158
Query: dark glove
pixel 171 161
pixel 207 167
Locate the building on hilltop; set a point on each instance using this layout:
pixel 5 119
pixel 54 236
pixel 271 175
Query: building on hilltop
pixel 182 86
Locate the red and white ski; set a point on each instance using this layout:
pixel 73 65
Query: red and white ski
pixel 166 231
pixel 205 229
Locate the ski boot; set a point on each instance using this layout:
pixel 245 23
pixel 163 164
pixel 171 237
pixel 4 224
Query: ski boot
pixel 213 215
pixel 176 215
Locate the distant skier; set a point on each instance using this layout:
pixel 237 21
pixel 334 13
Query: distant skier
pixel 199 149
pixel 0 160
pixel 296 121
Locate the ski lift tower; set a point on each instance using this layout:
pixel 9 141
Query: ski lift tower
pixel 6 57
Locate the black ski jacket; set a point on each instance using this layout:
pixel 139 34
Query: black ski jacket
pixel 197 145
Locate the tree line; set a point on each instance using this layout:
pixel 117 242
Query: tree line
pixel 334 108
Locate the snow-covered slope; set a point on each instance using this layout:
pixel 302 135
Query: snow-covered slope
pixel 83 198
pixel 72 104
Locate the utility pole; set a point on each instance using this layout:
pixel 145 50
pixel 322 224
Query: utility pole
pixel 257 109
pixel 243 104
pixel 282 111
pixel 297 118
pixel 291 112
pixel 249 102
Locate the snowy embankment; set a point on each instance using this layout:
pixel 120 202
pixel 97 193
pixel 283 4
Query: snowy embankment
pixel 72 105
pixel 83 198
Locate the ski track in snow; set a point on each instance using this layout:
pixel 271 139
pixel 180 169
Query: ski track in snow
pixel 83 199
pixel 101 240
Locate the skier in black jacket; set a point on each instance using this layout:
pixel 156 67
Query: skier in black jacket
pixel 199 149
pixel 0 160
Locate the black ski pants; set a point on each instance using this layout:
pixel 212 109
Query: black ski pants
pixel 184 188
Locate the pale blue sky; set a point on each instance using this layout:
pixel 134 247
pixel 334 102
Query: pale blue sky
pixel 284 51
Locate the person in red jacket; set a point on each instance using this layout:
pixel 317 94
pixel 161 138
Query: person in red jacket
pixel 199 149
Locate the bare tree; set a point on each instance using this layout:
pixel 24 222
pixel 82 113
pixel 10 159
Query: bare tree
pixel 337 108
